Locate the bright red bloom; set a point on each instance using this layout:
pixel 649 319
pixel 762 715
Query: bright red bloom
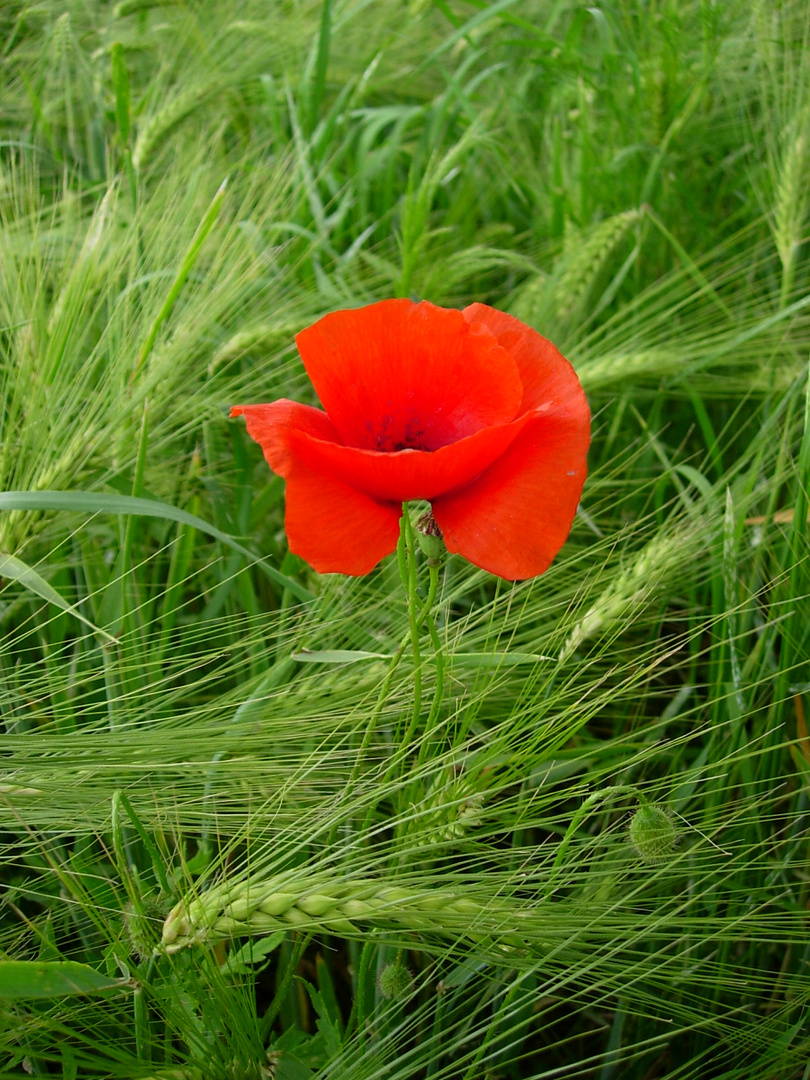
pixel 470 409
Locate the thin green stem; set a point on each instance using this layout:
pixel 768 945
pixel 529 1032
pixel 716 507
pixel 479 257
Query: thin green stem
pixel 430 623
pixel 143 1033
pixel 269 1018
pixel 409 545
pixel 402 548
pixel 438 692
pixel 416 619
pixel 501 1017
pixel 425 619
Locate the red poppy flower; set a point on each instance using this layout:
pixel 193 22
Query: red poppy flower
pixel 471 410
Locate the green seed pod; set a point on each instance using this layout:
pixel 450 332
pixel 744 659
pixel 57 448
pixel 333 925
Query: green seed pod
pixel 653 833
pixel 395 981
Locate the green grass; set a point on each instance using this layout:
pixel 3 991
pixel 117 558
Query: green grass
pixel 182 188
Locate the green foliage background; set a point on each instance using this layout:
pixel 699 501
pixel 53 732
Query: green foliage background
pixel 183 186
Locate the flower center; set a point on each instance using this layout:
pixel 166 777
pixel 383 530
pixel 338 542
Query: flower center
pixel 390 434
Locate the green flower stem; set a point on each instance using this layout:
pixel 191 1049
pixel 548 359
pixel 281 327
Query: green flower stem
pixel 399 755
pixel 424 618
pixel 501 1017
pixel 141 1022
pixel 410 793
pixel 406 557
pixel 416 619
pixel 437 1033
pixel 438 693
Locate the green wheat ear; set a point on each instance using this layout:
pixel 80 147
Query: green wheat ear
pixel 68 93
pixel 653 833
pixel 628 593
pixel 257 906
pixel 453 805
pixel 791 200
pixel 265 340
pixel 562 296
pixel 155 129
pixel 585 256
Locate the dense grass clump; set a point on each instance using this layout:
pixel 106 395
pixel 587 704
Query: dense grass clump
pixel 591 860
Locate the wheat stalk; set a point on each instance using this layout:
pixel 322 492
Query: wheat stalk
pixel 586 254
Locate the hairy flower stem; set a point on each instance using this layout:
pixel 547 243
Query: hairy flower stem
pixel 410 795
pixel 406 558
pixel 415 623
pixel 407 739
pixel 438 693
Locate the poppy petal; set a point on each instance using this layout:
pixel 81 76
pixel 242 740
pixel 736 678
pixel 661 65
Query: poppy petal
pixel 397 375
pixel 516 516
pixel 270 425
pixel 546 375
pixel 407 474
pixel 335 528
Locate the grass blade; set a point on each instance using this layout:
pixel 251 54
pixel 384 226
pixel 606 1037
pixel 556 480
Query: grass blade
pixel 102 503
pixel 16 570
pixel 20 979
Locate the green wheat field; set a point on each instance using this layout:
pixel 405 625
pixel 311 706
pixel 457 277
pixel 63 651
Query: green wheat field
pixel 593 862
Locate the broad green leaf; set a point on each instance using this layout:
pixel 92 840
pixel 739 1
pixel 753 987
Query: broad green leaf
pixel 248 959
pixel 20 979
pixel 336 656
pixel 697 478
pixel 498 659
pixel 99 502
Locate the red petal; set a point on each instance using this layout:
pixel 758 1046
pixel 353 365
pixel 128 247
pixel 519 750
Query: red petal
pixel 398 375
pixel 546 375
pixel 270 425
pixel 336 529
pixel 293 435
pixel 515 517
pixel 408 474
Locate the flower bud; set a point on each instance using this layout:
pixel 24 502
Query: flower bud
pixel 395 981
pixel 142 925
pixel 653 833
pixel 429 538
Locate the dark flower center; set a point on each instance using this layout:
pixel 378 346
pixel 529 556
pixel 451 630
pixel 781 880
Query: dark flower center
pixel 390 434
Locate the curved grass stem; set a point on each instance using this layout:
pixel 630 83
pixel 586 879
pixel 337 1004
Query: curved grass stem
pixel 592 800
